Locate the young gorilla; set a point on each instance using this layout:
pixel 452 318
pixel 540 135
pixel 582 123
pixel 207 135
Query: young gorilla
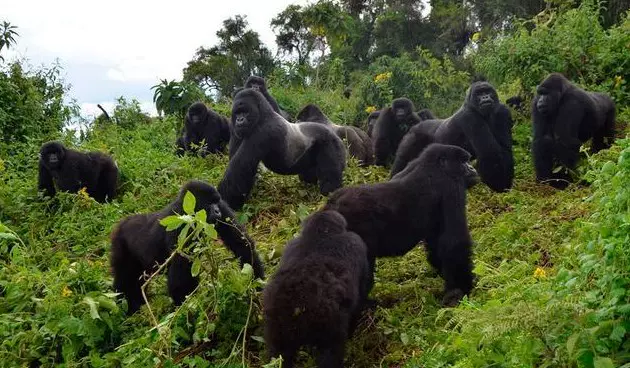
pixel 316 296
pixel 392 124
pixel 482 126
pixel 425 202
pixel 371 120
pixel 71 170
pixel 310 150
pixel 140 244
pixel 425 114
pixel 201 123
pixel 359 144
pixel 259 85
pixel 564 117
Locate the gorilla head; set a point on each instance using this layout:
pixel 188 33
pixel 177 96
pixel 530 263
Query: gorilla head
pixel 206 195
pixel 52 155
pixel 325 223
pixel 197 113
pixel 549 93
pixel 256 83
pixel 402 108
pixel 247 112
pixel 482 98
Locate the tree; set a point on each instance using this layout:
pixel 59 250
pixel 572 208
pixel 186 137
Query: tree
pixel 293 33
pixel 7 36
pixel 239 54
pixel 174 98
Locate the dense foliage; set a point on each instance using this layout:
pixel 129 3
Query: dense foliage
pixel 553 281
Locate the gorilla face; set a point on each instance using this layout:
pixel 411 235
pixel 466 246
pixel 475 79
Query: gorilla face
pixel 245 115
pixel 483 97
pixel 52 155
pixel 256 83
pixel 454 161
pixel 197 113
pixel 546 101
pixel 402 108
pixel 205 195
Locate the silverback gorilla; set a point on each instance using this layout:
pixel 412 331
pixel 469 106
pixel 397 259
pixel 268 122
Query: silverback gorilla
pixel 316 296
pixel 310 150
pixel 359 144
pixel 482 126
pixel 564 117
pixel 260 85
pixel 203 124
pixel 71 170
pixel 140 243
pixel 424 202
pixel 390 127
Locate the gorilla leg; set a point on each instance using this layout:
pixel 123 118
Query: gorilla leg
pixel 331 356
pixel 330 162
pixel 604 137
pixel 127 272
pixel 543 157
pixel 456 268
pixel 180 280
pixel 107 182
pixel 309 176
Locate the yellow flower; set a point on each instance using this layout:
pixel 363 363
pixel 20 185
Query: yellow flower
pixel 383 77
pixel 83 193
pixel 476 36
pixel 370 109
pixel 66 291
pixel 618 80
pixel 540 273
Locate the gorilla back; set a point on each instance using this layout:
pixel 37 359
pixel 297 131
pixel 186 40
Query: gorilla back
pixel 310 150
pixel 424 202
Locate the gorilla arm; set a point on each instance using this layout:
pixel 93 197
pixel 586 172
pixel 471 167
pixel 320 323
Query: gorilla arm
pixel 566 128
pixel 236 239
pixel 240 174
pixel 45 181
pixel 381 137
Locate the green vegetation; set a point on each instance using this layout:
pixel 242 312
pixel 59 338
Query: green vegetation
pixel 553 267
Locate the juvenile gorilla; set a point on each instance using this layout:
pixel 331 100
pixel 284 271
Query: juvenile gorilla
pixel 140 244
pixel 371 120
pixel 359 144
pixel 565 116
pixel 201 123
pixel 425 114
pixel 482 126
pixel 71 170
pixel 425 202
pixel 310 150
pixel 316 296
pixel 390 127
pixel 260 85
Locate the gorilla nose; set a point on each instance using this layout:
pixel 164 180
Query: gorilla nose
pixel 215 211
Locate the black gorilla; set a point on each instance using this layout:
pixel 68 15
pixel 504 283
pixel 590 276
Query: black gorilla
pixel 425 202
pixel 71 170
pixel 140 243
pixel 316 296
pixel 371 120
pixel 425 114
pixel 359 144
pixel 564 117
pixel 390 127
pixel 482 126
pixel 515 102
pixel 201 123
pixel 259 85
pixel 310 150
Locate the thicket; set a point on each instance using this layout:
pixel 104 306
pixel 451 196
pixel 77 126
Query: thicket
pixel 553 267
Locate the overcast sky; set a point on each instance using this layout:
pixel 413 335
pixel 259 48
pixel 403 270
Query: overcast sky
pixel 114 48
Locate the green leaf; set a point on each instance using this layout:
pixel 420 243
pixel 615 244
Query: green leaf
pixel 618 333
pixel 600 362
pixel 211 232
pixel 404 338
pixel 258 338
pixel 247 269
pixel 196 267
pixel 171 222
pixel 93 307
pixel 183 234
pixel 201 215
pixel 8 236
pixel 571 341
pixel 189 203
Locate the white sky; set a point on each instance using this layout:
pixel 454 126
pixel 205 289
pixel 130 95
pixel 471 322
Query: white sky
pixel 114 48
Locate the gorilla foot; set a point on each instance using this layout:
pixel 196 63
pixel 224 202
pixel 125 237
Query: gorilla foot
pixel 452 298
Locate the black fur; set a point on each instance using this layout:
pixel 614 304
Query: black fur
pixel 316 295
pixel 371 120
pixel 359 144
pixel 310 150
pixel 564 117
pixel 140 243
pixel 71 170
pixel 515 102
pixel 201 123
pixel 390 127
pixel 260 85
pixel 425 202
pixel 425 114
pixel 482 126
